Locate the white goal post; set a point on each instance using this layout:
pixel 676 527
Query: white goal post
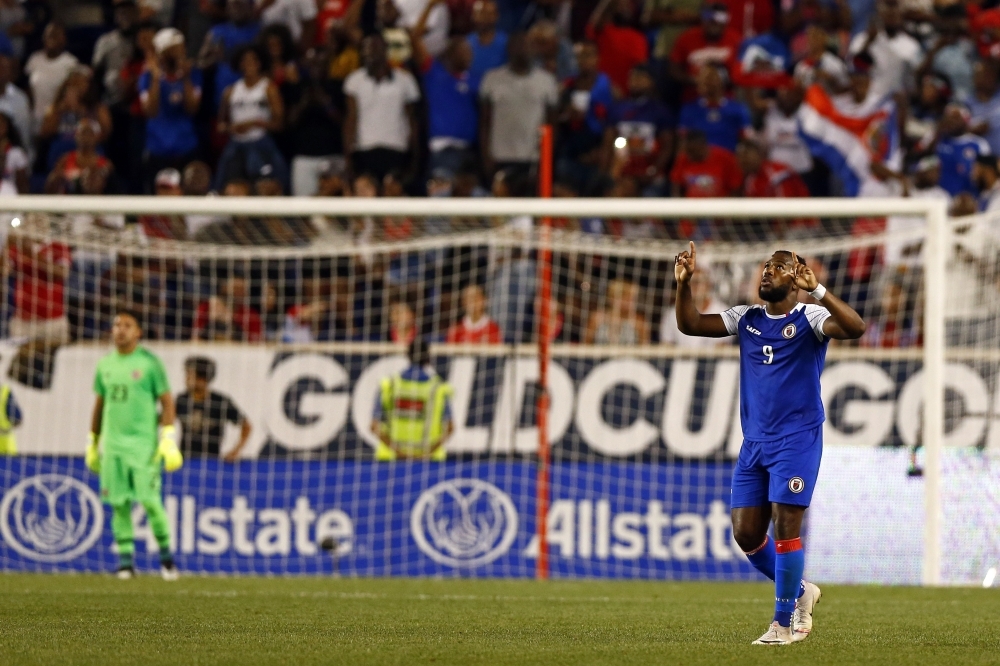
pixel 934 213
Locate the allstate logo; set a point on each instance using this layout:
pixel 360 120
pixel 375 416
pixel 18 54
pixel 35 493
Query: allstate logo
pixel 464 522
pixel 51 517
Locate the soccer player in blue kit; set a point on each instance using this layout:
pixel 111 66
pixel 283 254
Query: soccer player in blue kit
pixel 782 350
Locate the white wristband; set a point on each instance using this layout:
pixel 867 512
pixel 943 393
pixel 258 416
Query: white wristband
pixel 818 293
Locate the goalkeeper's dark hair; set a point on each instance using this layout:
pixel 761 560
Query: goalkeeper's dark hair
pixel 128 312
pixel 419 352
pixel 202 367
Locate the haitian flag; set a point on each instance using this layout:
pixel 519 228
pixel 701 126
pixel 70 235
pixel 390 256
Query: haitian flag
pixel 849 144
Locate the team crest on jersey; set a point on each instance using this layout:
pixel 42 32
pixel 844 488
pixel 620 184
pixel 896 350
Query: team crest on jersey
pixel 796 484
pixel 788 332
pixel 137 375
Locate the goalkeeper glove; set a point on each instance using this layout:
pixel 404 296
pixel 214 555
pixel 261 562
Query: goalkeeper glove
pixel 93 457
pixel 167 450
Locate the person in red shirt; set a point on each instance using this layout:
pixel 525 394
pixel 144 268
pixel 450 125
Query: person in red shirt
pixel 40 270
pixel 764 178
pixel 712 42
pixel 702 171
pixel 229 315
pixel 476 327
pixel 621 46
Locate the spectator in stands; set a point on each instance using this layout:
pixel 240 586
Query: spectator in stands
pixel 584 107
pixel 112 52
pixel 986 176
pixel 436 24
pixel 552 52
pixel 896 324
pixel 251 111
pixel 669 18
pixel 619 322
pixel 285 71
pixel 712 42
pixel 40 269
pixel 958 149
pixel 15 103
pixel 896 54
pixel 638 141
pixel 170 93
pixel 953 52
pixel 476 327
pixel 820 65
pixel 314 128
pixel 310 319
pixel 620 45
pixel 724 121
pixel 703 295
pixel 985 102
pixel 380 127
pixel 203 414
pixel 702 170
pixel 926 108
pixel 224 40
pixel 228 314
pixel 489 45
pixel 764 178
pixel 924 185
pixel 398 47
pixel 452 101
pixel 47 69
pixel 17 24
pixel 516 100
pixel 784 141
pixel 402 323
pixel 173 227
pixel 76 100
pixel 16 167
pixel 82 170
pixel 297 16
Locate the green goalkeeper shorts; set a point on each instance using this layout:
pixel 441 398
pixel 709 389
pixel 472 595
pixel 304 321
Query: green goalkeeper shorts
pixel 123 482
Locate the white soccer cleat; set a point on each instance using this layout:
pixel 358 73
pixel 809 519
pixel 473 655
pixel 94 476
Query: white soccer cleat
pixel 125 573
pixel 169 572
pixel 776 635
pixel 802 618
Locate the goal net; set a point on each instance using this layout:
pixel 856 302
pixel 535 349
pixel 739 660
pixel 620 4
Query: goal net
pixel 278 323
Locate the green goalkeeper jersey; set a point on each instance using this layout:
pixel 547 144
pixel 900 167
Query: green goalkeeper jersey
pixel 131 385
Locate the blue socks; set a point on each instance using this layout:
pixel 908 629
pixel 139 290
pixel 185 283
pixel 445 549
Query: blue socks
pixel 779 562
pixel 789 562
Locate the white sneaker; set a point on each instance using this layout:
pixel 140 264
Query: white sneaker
pixel 775 635
pixel 802 618
pixel 126 573
pixel 169 573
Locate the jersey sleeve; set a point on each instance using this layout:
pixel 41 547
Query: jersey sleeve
pixel 817 315
pixel 98 382
pixel 158 377
pixel 732 316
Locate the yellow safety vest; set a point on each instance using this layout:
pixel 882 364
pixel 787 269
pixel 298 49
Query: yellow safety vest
pixel 413 413
pixel 8 444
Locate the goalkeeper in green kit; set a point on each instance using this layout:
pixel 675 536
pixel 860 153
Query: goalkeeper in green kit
pixel 123 446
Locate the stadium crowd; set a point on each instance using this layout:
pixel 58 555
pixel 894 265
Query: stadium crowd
pixel 445 98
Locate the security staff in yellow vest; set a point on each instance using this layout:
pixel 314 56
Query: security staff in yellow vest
pixel 413 412
pixel 10 418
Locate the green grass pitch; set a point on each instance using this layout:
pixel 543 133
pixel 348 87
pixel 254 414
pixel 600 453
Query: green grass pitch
pixel 86 619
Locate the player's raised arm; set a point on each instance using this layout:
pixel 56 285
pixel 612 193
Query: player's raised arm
pixel 689 320
pixel 844 322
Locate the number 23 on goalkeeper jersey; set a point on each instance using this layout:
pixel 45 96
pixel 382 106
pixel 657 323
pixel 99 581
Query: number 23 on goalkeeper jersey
pixel 131 385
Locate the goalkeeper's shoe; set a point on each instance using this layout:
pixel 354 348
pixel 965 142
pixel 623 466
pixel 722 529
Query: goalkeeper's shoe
pixel 802 618
pixel 169 571
pixel 775 635
pixel 125 573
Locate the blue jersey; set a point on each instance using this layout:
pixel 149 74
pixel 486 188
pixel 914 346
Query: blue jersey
pixel 781 359
pixel 957 155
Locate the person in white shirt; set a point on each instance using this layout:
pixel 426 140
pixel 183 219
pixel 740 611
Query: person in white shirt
pixel 923 185
pixel 15 103
pixel 781 131
pixel 47 69
pixel 299 16
pixel 437 25
pixel 703 293
pixel 897 55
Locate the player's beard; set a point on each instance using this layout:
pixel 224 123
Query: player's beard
pixel 773 294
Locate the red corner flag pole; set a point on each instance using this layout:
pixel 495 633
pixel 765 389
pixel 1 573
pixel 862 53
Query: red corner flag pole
pixel 544 333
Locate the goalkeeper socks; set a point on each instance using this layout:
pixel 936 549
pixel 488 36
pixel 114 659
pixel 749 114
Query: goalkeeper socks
pixel 157 516
pixel 121 528
pixel 762 558
pixel 789 562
